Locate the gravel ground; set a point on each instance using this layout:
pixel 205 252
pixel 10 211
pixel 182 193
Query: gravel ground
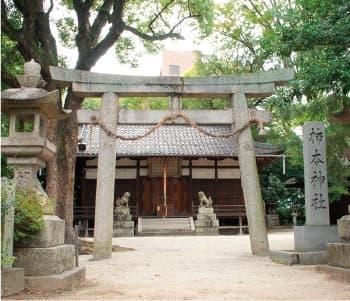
pixel 199 267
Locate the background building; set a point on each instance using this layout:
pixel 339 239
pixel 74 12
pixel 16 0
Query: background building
pixel 176 63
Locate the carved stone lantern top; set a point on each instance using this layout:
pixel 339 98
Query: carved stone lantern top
pixel 31 96
pixel 32 68
pixel 29 108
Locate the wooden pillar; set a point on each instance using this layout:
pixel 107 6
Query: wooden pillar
pixel 103 231
pixel 249 177
pixel 240 224
pixel 138 196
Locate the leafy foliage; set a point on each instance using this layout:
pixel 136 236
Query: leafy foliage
pixel 312 36
pixel 95 27
pixel 28 214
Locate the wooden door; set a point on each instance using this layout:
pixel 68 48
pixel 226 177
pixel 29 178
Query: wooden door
pixel 153 198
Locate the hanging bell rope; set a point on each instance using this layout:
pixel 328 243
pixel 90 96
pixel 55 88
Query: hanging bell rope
pixel 164 190
pixel 173 117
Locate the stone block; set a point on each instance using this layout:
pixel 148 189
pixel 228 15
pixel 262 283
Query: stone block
pixel 339 254
pixel 65 280
pixel 272 220
pixel 284 257
pixel 123 228
pixel 207 230
pixel 312 258
pixel 344 228
pixel 51 235
pixel 206 217
pixel 305 258
pixel 45 261
pixel 206 222
pixel 204 210
pixel 12 281
pixel 314 238
pixel 335 273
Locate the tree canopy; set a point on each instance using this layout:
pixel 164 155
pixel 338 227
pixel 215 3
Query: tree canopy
pixel 313 37
pixel 92 27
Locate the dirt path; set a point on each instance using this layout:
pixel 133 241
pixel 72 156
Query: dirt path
pixel 217 267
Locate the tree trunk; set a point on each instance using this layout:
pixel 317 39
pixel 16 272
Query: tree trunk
pixel 61 171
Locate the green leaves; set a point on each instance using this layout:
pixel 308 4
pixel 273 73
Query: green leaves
pixel 28 214
pixel 66 31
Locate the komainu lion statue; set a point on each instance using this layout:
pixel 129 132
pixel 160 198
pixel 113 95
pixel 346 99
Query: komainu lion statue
pixel 204 201
pixel 124 200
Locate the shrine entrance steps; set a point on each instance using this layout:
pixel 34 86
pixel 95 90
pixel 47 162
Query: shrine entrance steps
pixel 148 226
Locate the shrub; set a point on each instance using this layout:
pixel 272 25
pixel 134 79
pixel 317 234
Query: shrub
pixel 28 214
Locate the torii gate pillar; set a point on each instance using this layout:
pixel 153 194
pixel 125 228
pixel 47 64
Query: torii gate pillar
pixel 103 231
pixel 249 178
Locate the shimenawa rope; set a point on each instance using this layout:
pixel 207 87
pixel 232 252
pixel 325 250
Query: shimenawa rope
pixel 173 117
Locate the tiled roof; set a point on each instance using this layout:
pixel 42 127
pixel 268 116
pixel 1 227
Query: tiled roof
pixel 169 141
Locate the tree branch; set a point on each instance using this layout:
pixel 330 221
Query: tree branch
pixel 159 37
pixel 50 8
pixel 258 12
pixel 159 14
pixel 100 21
pixel 82 38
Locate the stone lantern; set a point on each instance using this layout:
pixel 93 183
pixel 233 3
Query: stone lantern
pixel 295 213
pixel 48 263
pixel 29 108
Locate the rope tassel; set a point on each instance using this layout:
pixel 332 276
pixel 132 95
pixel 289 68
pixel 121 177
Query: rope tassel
pixel 164 191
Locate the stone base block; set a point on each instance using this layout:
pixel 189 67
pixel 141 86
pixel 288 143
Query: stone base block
pixel 12 281
pixel 65 281
pixel 314 238
pixel 207 224
pixel 336 273
pixel 305 258
pixel 51 235
pixel 207 219
pixel 123 228
pixel 344 228
pixel 272 220
pixel 205 211
pixel 45 261
pixel 207 230
pixel 339 254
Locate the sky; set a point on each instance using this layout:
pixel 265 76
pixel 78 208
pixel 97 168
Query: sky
pixel 150 65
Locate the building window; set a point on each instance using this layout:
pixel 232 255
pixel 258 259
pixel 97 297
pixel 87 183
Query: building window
pixel 174 69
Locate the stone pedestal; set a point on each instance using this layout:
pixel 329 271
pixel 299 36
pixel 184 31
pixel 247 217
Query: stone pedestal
pixel 314 238
pixel 52 234
pixel 272 220
pixel 123 225
pixel 47 262
pixel 206 223
pixel 12 281
pixel 344 229
pixel 339 253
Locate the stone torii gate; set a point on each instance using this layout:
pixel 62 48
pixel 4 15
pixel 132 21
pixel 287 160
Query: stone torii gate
pixel 235 87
